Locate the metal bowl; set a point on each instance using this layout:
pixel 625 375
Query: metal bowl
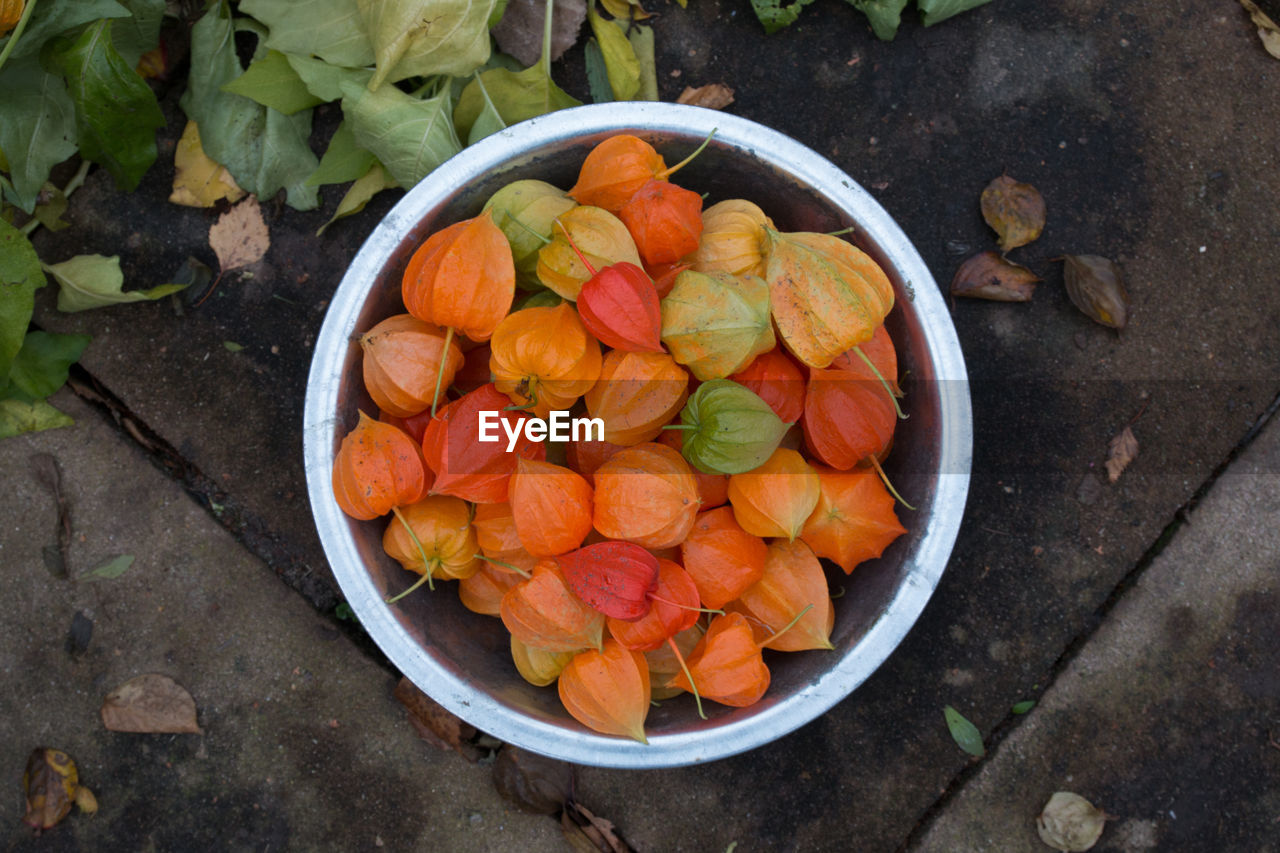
pixel 462 660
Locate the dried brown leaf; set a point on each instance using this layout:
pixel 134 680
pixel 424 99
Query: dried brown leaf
pixel 534 783
pixel 1096 287
pixel 1014 210
pixel 579 825
pixel 713 96
pixel 1070 823
pixel 1268 30
pixel 49 782
pixel 989 276
pixel 1122 450
pixel 434 723
pixel 240 237
pixel 519 33
pixel 150 704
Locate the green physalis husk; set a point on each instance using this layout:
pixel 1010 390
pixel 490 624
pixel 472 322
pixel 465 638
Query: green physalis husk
pixel 733 430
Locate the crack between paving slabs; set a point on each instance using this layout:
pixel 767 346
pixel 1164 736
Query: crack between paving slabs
pixel 1181 518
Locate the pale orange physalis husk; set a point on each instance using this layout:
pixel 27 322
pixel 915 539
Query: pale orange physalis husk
pixel 402 363
pixel 608 690
pixel 776 498
pixel 732 239
pixel 443 527
pixel 544 359
pixel 793 580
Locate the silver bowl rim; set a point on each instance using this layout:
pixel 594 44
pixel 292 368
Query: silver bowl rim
pixel 734 736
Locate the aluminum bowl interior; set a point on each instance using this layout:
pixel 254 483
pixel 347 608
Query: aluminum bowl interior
pixel 462 659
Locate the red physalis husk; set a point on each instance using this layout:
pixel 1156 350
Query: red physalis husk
pixel 545 613
pixel 721 557
pixel 726 665
pixel 854 519
pixel 377 467
pixel 665 221
pixel 586 456
pixel 614 170
pixel 713 489
pixel 619 305
pixel 777 380
pixel 674 607
pixel 613 577
pixel 474 470
pixel 847 417
pixel 462 278
pixel 414 425
pixel 483 592
pixel 647 495
pixel 608 691
pixel 776 498
pixel 792 581
pixel 880 352
pixel 551 506
pixel 474 372
pixel 664 276
pixel 401 361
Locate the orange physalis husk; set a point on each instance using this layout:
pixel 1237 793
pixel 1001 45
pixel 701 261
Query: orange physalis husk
pixel 619 305
pixel 544 359
pixel 664 665
pixel 613 577
pixel 602 240
pixel 537 666
pixel 483 592
pixel 551 506
pixel 847 417
pixel 674 608
pixel 615 169
pixel 433 537
pixel 854 519
pixel 827 295
pixel 793 580
pixel 495 530
pixel 402 358
pixel 726 665
pixel 713 489
pixel 377 467
pixel 466 467
pixel 776 498
pixel 544 613
pixel 732 239
pixel 778 381
pixel 638 392
pixel 608 691
pixel 585 456
pixel 721 557
pixel 715 323
pixel 880 351
pixel 665 221
pixel 462 278
pixel 647 495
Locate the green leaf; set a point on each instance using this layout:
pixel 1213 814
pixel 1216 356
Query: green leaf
pixel 272 82
pixel 92 281
pixel 421 38
pixel 965 733
pixel 111 569
pixel 17 417
pixel 410 137
pixel 232 346
pixel 344 160
pixel 116 111
pixel 1024 706
pixel 52 204
pixel 20 278
pixel 619 57
pixel 264 150
pixel 54 17
pixel 359 193
pixel 597 74
pixel 642 42
pixel 517 95
pixel 333 30
pixel 140 32
pixel 936 11
pixel 775 16
pixel 489 121
pixel 885 15
pixel 39 127
pixel 41 366
pixel 324 80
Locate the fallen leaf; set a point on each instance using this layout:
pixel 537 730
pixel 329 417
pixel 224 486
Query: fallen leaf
pixel 434 723
pixel 989 276
pixel 620 61
pixel 1096 287
pixel 420 38
pixel 111 569
pixel 1014 210
pixel 272 82
pixel 1023 707
pixel 641 38
pixel 625 9
pixel 1268 31
pixel 965 733
pixel 936 11
pixel 50 782
pixel 94 281
pixel 713 96
pixel 17 417
pixel 534 783
pixel 150 704
pixel 240 237
pixel 49 475
pixel 588 833
pixel 1070 823
pixel 86 801
pixel 80 634
pixel 51 203
pixel 1122 450
pixel 519 33
pixel 198 181
pixel 358 194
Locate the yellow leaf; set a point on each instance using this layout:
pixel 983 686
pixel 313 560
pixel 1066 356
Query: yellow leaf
pixel 199 181
pixel 240 237
pixel 620 60
pixel 626 9
pixel 1268 31
pixel 10 12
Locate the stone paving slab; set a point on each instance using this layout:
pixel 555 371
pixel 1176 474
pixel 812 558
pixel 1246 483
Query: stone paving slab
pixel 1169 718
pixel 303 746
